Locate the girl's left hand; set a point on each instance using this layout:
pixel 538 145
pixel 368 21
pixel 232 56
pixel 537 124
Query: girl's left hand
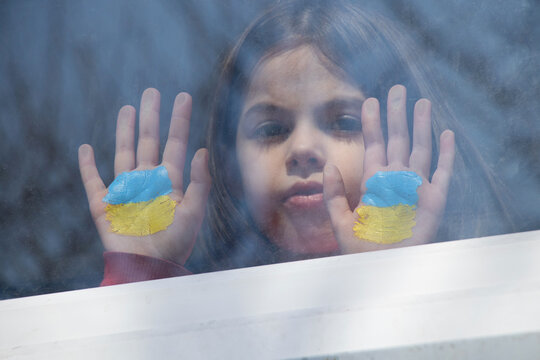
pixel 394 157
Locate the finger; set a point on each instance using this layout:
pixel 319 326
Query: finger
pixel 124 157
pixel 148 145
pixel 93 185
pixel 398 133
pixel 335 198
pixel 194 202
pixel 445 163
pixel 421 151
pixel 174 155
pixel 373 137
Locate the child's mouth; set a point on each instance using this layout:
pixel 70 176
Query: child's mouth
pixel 304 196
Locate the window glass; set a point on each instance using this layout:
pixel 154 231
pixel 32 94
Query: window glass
pixel 67 67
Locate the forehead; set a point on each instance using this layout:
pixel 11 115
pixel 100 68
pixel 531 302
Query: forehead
pixel 295 77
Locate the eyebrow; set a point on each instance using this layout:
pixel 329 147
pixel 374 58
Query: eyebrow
pixel 338 103
pixel 264 108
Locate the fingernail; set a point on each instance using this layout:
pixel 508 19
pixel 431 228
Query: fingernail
pixel 84 150
pixel 149 97
pixel 181 98
pixel 150 94
pixel 422 106
pixel 126 110
pixel 201 155
pixel 326 170
pixel 371 106
pixel 329 170
pixel 395 96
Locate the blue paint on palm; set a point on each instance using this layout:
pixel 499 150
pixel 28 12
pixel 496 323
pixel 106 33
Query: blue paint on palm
pixel 139 185
pixel 389 188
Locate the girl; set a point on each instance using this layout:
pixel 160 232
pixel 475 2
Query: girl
pixel 295 136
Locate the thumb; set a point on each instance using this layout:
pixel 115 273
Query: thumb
pixel 193 205
pixel 197 192
pixel 336 202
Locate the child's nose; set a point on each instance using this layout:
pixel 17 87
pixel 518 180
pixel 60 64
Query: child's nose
pixel 305 153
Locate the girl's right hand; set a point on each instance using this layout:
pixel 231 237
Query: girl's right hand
pixel 175 243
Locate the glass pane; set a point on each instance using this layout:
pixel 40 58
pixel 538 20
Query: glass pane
pixel 67 67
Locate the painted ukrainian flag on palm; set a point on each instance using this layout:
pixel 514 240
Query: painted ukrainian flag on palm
pixel 389 210
pixel 138 202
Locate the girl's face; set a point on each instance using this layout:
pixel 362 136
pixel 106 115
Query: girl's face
pixel 297 117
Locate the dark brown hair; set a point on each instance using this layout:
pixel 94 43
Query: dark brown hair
pixel 369 51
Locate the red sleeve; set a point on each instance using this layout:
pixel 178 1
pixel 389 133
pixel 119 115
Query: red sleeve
pixel 122 268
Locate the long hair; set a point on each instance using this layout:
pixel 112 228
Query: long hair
pixel 369 51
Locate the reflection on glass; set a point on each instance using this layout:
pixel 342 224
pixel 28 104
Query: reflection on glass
pixel 294 104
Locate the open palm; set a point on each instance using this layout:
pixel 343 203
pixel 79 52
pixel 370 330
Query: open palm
pixel 397 156
pixel 176 242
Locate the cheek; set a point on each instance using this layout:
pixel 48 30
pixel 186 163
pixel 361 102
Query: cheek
pixel 258 173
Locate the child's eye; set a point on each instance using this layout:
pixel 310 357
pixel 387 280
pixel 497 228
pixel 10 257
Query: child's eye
pixel 346 124
pixel 270 130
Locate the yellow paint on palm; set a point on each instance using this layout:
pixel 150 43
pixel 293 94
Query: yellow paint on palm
pixel 385 225
pixel 138 202
pixel 388 212
pixel 141 218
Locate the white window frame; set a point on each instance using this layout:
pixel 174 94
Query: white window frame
pixel 467 299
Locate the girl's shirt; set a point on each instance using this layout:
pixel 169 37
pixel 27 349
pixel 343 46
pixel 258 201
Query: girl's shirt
pixel 123 268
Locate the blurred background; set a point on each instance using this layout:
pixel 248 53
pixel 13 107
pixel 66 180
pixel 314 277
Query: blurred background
pixel 66 68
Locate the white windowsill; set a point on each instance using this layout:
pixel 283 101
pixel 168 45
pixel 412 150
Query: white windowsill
pixel 468 299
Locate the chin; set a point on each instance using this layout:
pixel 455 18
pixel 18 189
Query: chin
pixel 310 244
pixel 300 237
